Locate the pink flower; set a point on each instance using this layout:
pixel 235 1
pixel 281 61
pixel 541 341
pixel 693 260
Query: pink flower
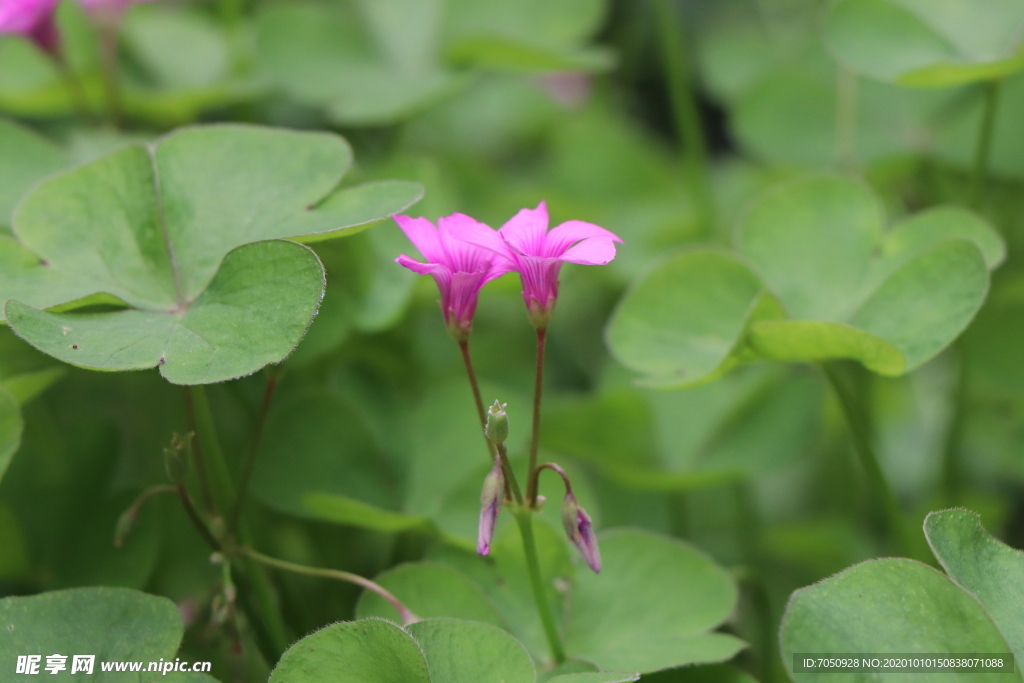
pixel 538 255
pixel 32 19
pixel 460 269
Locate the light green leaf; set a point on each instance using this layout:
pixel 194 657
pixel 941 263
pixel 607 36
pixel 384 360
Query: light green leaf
pixel 468 652
pixel 369 651
pixel 170 232
pixel 651 607
pixel 844 288
pixel 11 425
pixel 596 677
pixel 115 624
pixel 156 34
pixel 713 292
pixel 890 605
pixel 923 43
pixel 253 313
pixel 429 589
pixel 430 651
pixel 25 158
pixel 988 569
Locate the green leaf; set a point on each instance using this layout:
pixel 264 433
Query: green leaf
pixel 991 571
pixel 651 607
pixel 11 425
pixel 921 43
pixel 596 677
pixel 467 651
pixel 844 287
pixel 429 589
pixel 369 651
pixel 713 292
pixel 430 651
pixel 25 158
pixel 183 235
pixel 890 605
pixel 115 624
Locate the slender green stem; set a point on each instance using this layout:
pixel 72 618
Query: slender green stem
pixel 557 469
pixel 197 521
pixel 860 433
pixel 690 129
pixel 846 118
pixel 108 30
pixel 407 615
pixel 983 149
pixel 524 517
pixel 510 476
pixel 74 86
pixel 538 389
pixel 475 385
pixel 197 455
pixel 223 490
pixel 201 420
pixel 254 447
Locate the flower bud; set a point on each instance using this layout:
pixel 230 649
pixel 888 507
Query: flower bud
pixel 490 503
pixel 497 423
pixel 580 531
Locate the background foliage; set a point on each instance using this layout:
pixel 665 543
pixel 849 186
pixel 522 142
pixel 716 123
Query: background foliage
pixel 842 142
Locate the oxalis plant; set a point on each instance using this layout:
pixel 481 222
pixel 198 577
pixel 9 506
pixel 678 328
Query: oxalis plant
pixel 189 256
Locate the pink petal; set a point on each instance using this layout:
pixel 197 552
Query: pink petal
pixel 565 235
pixel 415 266
pixel 424 237
pixel 596 251
pixel 479 235
pixel 463 256
pixel 526 230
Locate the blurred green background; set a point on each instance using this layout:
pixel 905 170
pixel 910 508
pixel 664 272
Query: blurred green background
pixel 494 105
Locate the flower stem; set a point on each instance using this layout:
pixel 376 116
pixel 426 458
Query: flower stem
pixel 74 86
pixel 557 469
pixel 108 30
pixel 254 447
pixel 538 388
pixel 408 617
pixel 983 150
pixel 858 423
pixel 480 410
pixel 674 57
pixel 524 518
pixel 510 476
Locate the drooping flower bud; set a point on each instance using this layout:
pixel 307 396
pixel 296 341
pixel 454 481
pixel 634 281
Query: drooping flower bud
pixel 490 504
pixel 580 531
pixel 497 423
